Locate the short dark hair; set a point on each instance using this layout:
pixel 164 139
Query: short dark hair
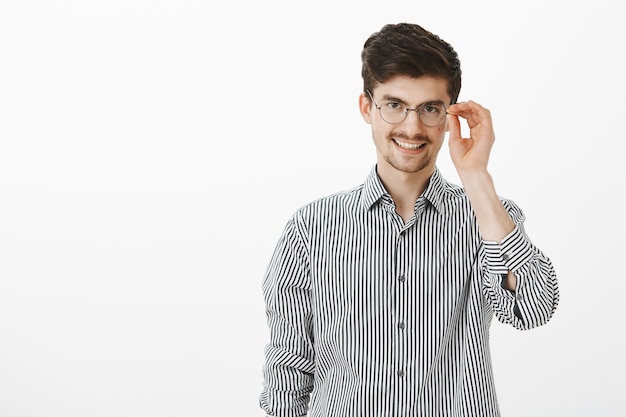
pixel 410 50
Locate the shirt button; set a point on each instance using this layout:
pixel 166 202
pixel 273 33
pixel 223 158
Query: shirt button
pixel 505 257
pixel 401 278
pixel 400 373
pixel 401 326
pixel 519 297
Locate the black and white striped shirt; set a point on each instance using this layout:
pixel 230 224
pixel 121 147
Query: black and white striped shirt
pixel 372 317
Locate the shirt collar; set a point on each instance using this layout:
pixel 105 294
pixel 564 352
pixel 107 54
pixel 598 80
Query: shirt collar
pixel 374 190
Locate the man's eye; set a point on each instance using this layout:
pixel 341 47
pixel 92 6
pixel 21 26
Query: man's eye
pixel 394 106
pixel 433 109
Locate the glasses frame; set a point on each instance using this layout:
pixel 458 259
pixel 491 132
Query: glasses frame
pixel 418 110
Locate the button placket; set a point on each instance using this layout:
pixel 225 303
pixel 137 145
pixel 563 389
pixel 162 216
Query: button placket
pixel 400 308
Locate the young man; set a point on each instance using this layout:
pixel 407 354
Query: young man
pixel 379 299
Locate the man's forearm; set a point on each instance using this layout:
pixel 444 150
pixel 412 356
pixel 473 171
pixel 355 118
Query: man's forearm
pixel 494 222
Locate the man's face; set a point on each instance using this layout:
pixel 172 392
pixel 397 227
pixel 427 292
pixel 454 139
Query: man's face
pixel 410 146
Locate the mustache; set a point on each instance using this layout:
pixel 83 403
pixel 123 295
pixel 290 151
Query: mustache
pixel 415 138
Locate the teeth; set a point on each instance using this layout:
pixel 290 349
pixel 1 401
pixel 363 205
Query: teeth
pixel 409 146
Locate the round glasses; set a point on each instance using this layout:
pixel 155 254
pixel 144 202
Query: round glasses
pixel 432 113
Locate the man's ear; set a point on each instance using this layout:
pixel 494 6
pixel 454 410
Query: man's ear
pixel 365 107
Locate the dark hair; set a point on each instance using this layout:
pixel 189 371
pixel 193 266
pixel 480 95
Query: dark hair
pixel 410 50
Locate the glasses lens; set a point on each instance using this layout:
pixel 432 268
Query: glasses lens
pixel 392 112
pixel 432 114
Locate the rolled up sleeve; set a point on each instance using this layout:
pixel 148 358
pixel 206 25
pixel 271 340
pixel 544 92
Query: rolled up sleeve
pixel 536 295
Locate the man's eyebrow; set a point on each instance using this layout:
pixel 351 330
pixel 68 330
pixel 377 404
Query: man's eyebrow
pixel 391 98
pixel 387 97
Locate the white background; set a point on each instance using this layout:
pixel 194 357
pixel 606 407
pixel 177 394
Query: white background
pixel 152 151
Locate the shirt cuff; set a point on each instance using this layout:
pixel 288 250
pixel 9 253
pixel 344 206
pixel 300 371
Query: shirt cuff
pixel 509 255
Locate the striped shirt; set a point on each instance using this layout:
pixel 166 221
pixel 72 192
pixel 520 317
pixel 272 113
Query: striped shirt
pixel 372 317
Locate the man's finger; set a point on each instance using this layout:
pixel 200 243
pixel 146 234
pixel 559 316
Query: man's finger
pixel 454 126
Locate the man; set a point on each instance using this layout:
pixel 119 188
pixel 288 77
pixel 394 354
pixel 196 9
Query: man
pixel 379 299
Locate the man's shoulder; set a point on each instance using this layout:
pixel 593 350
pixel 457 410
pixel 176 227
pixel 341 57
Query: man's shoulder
pixel 344 199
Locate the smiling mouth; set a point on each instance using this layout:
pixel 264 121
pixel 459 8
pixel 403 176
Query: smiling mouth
pixel 409 146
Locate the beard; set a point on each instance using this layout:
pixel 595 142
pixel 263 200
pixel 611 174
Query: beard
pixel 409 165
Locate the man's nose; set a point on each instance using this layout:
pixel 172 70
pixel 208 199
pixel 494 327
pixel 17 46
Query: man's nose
pixel 412 120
